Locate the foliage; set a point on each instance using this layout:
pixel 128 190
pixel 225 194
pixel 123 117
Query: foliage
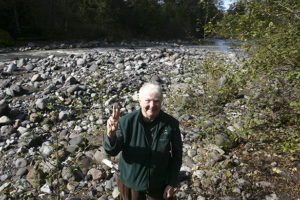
pixel 208 16
pixel 269 28
pixel 270 33
pixel 265 84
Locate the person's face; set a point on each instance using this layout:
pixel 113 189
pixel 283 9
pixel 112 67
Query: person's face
pixel 150 103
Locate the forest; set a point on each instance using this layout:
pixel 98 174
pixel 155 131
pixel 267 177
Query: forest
pixel 110 19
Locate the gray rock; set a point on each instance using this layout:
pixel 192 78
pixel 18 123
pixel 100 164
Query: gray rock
pixel 214 156
pixel 4 177
pixel 4 120
pixel 109 185
pixel 94 67
pixel 41 103
pixel 200 197
pixel 49 89
pixel 71 148
pixel 14 90
pixel 243 183
pixel 45 76
pixel 63 115
pixel 11 67
pixel 73 88
pixel 76 141
pixel 207 124
pixel 46 189
pixel 80 61
pixel 199 174
pixel 115 193
pixel 264 184
pixel 36 77
pixel 191 153
pixel 67 174
pixel 47 166
pixel 95 173
pixel 22 130
pixel 4 83
pixel 100 188
pixel 63 133
pixel 213 147
pixel 21 172
pixel 20 163
pixel 7 130
pixel 29 67
pixel 272 197
pixel 21 63
pixel 99 156
pixel 188 161
pixel 224 141
pixel 46 149
pixel 78 128
pixel 236 190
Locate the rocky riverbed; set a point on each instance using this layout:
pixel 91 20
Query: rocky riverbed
pixel 53 112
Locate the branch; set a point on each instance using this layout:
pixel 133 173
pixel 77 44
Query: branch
pixel 290 10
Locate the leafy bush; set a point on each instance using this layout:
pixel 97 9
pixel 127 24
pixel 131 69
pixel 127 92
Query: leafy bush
pixel 270 33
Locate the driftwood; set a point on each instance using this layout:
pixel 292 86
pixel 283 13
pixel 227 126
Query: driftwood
pixel 111 165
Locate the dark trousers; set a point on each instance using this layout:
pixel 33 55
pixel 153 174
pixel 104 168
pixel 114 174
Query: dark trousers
pixel 129 194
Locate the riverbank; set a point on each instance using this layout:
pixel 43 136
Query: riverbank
pixel 43 49
pixel 54 109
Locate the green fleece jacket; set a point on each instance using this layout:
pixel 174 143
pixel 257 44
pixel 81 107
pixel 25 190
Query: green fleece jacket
pixel 143 167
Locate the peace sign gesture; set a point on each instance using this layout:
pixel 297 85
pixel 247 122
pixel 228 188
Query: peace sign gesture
pixel 112 123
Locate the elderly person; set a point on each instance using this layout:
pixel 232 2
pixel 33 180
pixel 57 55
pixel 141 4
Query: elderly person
pixel 151 148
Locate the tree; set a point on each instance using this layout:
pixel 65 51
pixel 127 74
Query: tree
pixel 270 32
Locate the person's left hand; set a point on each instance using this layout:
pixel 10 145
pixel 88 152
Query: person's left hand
pixel 168 193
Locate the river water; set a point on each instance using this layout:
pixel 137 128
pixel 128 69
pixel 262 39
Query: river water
pixel 210 45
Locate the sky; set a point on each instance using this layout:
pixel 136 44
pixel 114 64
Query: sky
pixel 228 2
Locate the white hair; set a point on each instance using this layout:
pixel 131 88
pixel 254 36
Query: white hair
pixel 153 86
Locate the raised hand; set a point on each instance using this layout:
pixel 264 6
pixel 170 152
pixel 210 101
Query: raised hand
pixel 112 123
